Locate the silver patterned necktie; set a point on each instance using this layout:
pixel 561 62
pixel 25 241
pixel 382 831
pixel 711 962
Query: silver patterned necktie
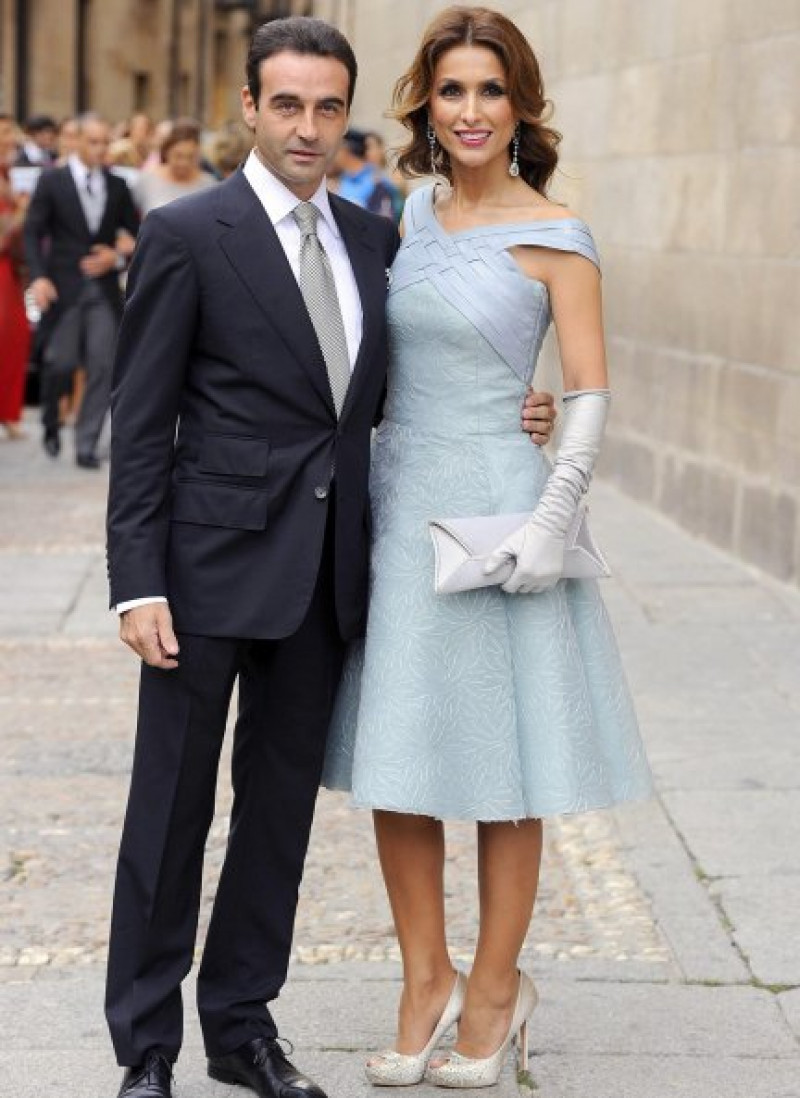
pixel 318 288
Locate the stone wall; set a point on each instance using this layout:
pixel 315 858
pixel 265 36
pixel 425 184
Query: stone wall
pixel 681 123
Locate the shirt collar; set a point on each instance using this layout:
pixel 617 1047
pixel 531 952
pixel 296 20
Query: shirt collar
pixel 278 200
pixel 80 172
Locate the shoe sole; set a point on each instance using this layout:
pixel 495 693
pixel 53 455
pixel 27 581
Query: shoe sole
pixel 222 1076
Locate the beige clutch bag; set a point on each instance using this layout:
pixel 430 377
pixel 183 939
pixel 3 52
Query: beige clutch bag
pixel 462 545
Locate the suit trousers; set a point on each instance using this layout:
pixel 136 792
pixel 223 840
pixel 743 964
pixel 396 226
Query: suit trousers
pixel 83 336
pixel 286 693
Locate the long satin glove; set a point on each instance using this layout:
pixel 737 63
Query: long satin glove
pixel 538 546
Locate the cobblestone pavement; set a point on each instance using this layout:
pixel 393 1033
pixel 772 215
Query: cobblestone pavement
pixel 67 704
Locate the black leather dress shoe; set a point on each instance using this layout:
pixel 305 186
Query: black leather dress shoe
pixel 152 1079
pixel 262 1066
pixel 87 461
pixel 51 440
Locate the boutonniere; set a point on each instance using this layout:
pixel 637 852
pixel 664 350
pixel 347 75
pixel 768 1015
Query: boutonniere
pixel 389 277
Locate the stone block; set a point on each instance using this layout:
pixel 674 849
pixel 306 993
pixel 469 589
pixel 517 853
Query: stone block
pixel 618 1076
pixel 767 92
pixel 659 1019
pixel 768 531
pixel 583 110
pixel 637 111
pixel 757 227
pixel 701 497
pixel 690 105
pixel 726 831
pixel 764 20
pixel 745 418
pixel 629 462
pixel 763 913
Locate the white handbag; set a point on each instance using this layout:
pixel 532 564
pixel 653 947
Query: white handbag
pixel 462 546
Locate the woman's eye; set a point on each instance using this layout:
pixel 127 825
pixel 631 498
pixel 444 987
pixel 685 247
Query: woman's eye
pixel 449 91
pixel 494 91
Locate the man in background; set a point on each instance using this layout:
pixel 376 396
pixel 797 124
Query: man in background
pixel 39 147
pixel 359 182
pixel 73 248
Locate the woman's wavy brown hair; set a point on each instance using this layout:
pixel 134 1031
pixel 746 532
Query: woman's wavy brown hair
pixel 463 26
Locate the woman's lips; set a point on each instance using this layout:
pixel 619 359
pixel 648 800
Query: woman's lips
pixel 473 139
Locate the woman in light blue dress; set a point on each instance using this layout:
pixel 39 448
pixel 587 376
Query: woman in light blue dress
pixel 508 704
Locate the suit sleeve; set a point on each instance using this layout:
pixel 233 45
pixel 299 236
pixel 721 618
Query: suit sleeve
pixel 128 217
pixel 38 221
pixel 153 349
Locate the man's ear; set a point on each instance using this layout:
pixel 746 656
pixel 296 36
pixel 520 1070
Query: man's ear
pixel 249 108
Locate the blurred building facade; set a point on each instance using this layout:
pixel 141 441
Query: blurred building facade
pixel 682 149
pixel 164 57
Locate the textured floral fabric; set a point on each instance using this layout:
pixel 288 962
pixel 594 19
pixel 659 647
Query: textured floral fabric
pixel 480 705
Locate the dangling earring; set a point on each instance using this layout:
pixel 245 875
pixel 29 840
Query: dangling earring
pixel 513 168
pixel 432 146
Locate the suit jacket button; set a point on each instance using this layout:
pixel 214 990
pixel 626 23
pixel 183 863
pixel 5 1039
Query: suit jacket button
pixel 321 493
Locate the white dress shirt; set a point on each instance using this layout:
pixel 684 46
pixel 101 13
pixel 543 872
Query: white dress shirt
pixel 94 203
pixel 279 202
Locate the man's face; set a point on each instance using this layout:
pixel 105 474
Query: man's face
pixel 300 119
pixel 93 142
pixel 45 139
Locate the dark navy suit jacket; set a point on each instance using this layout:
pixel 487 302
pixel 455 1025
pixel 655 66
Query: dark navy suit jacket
pixel 224 432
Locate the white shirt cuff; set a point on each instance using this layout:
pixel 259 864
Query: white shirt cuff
pixel 121 607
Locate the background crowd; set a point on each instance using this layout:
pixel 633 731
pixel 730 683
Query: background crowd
pixel 56 328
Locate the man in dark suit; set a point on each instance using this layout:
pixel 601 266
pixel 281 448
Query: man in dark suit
pixel 73 247
pixel 249 372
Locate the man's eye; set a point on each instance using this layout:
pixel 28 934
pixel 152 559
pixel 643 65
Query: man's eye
pixel 286 108
pixel 330 110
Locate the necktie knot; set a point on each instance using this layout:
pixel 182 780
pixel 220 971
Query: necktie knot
pixel 306 215
pixel 89 184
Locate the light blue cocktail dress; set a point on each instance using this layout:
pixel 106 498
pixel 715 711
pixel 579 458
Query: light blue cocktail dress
pixel 480 705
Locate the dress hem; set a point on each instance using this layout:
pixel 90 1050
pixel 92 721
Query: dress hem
pixel 552 814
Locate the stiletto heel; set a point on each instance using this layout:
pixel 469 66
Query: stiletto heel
pixel 522 1047
pixel 396 1069
pixel 464 1072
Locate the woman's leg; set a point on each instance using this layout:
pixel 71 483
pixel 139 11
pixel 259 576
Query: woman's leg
pixel 509 857
pixel 411 851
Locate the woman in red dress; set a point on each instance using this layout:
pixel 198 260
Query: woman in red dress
pixel 14 331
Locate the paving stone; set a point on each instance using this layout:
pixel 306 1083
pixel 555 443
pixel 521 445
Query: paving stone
pixel 578 1075
pixel 763 911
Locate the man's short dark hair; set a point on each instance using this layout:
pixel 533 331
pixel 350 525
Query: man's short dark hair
pixel 356 142
pixel 298 34
pixel 38 123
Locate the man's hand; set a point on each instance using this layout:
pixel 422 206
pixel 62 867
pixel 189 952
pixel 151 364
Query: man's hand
pixel 44 293
pixel 100 260
pixel 538 416
pixel 148 631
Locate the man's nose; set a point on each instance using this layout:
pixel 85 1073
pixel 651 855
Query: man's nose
pixel 307 126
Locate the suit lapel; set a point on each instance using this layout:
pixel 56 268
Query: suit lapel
pixel 256 254
pixel 73 199
pixel 370 274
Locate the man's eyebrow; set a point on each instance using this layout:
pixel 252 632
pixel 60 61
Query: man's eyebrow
pixel 291 97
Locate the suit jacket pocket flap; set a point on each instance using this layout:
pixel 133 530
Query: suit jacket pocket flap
pixel 219 505
pixel 232 455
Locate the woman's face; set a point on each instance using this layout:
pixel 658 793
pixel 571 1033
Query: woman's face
pixel 182 160
pixel 469 106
